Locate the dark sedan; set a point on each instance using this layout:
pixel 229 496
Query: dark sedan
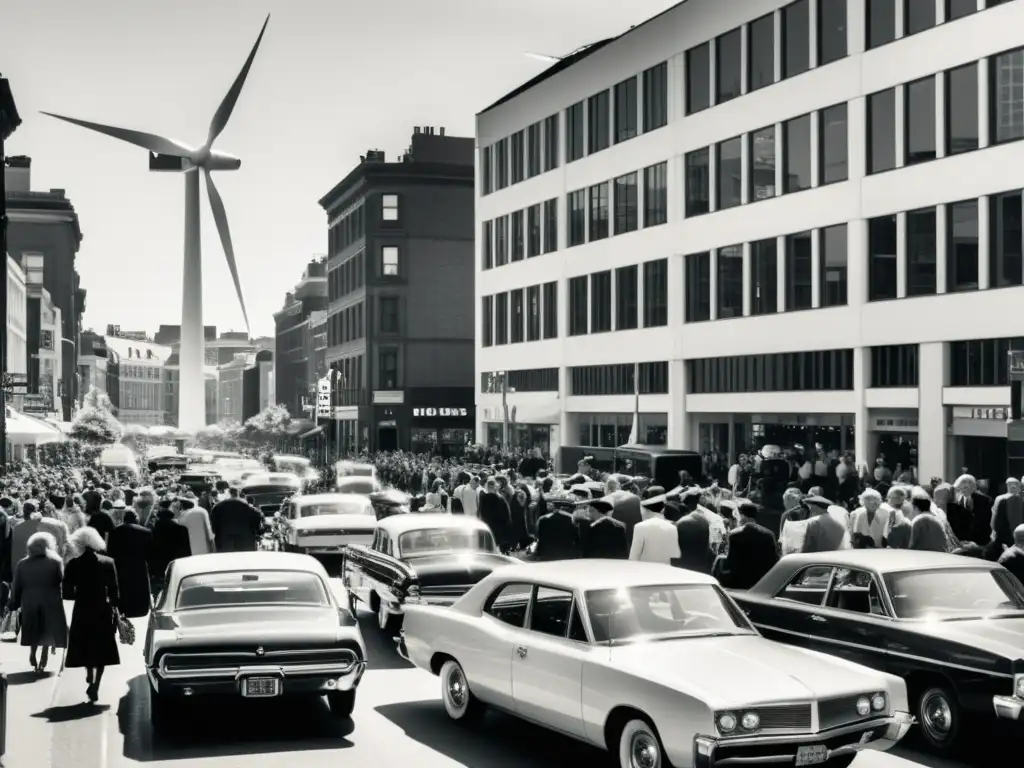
pixel 951 626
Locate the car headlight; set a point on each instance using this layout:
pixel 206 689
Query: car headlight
pixel 879 702
pixel 750 721
pixel 727 722
pixel 863 706
pixel 1018 686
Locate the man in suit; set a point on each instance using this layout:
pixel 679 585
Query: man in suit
pixel 556 533
pixel 655 540
pixel 1013 558
pixel 694 534
pixel 606 537
pixel 169 542
pixel 1007 515
pixel 824 532
pixel 970 511
pixel 236 525
pixel 752 550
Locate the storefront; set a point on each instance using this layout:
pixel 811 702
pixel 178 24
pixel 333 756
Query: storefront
pixel 893 436
pixel 746 433
pixel 438 421
pixel 979 444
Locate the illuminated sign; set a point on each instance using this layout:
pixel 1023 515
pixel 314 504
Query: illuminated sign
pixel 432 412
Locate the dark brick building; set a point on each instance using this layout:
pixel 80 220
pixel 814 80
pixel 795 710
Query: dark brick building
pixel 400 284
pixel 294 357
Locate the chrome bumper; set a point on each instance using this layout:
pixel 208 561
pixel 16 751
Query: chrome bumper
pixel 1008 707
pixel 880 734
pixel 328 677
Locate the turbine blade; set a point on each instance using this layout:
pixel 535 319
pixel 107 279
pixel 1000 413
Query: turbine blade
pixel 149 141
pixel 543 57
pixel 221 218
pixel 220 119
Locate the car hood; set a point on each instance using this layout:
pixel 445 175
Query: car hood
pixel 262 625
pixel 744 670
pixel 999 637
pixel 456 568
pixel 353 523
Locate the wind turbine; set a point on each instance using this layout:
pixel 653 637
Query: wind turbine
pixel 168 155
pixel 549 58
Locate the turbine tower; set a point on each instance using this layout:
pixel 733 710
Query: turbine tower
pixel 169 155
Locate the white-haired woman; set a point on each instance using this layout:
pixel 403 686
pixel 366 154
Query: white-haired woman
pixel 91 581
pixel 36 593
pixel 870 521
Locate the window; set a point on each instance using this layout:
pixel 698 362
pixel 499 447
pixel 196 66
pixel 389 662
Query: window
pixel 550 614
pixel 509 604
pixel 550 299
pixel 761 53
pixel 833 258
pixel 533 150
pixel 601 302
pixel 698 287
pixel 387 375
pixel 533 313
pixel 599 211
pixel 501 318
pixel 823 370
pixel 796 157
pixel 619 379
pixel 389 260
pixel 487 164
pixel 1005 234
pixel 854 591
pixel 962 109
pixel 1006 99
pixel 833 144
pixel 577 631
pixel 762 164
pixel 487 244
pixel 577 217
pixel 882 131
pixel 698 78
pixel 831 31
pixel 796 38
pixel 626 298
pixel 577 306
pixel 501 241
pixel 962 246
pixel 551 143
pixel 918 15
pixel 389 314
pixel 551 225
pixel 728 66
pixel 655 97
pixel 882 258
pixel 518 316
pixel 881 22
pixel 626 213
pixel 598 122
pixel 798 272
pixel 518 142
pixel 533 231
pixel 957 9
pixel 501 164
pixel 981 362
pixel 389 207
pixel 698 179
pixel 516 239
pixel 655 194
pixel 764 277
pixel 919 120
pixel 574 132
pixel 729 190
pixel 656 293
pixel 921 252
pixel 730 282
pixel 808 586
pixel 626 110
pixel 894 366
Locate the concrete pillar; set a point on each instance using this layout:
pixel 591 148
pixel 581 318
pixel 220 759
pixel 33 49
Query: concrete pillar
pixel 931 420
pixel 678 424
pixel 732 439
pixel 862 449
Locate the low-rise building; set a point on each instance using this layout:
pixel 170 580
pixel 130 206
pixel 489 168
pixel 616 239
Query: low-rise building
pixel 17 315
pixel 141 383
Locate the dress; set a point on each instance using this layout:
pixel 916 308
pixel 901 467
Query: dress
pixel 37 594
pixel 91 581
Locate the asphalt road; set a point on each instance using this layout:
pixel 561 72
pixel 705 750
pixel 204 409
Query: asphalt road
pixel 398 722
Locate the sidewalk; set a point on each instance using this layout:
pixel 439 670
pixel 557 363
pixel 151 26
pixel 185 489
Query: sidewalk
pixel 28 694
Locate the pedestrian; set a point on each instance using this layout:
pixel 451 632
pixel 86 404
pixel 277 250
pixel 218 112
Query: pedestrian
pixel 37 595
pixel 129 547
pixel 170 541
pixel 237 526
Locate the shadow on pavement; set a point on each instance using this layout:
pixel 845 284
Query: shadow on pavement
pixel 209 729
pixel 380 649
pixel 72 712
pixel 519 743
pixel 27 677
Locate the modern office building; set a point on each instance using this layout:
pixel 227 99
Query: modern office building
pixel 400 322
pixel 294 359
pixel 141 385
pixel 16 329
pixel 45 364
pixel 795 222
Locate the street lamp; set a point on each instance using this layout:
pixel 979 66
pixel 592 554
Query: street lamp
pixel 9 122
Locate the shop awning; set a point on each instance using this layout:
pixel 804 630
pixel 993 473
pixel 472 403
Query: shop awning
pixel 23 429
pixel 314 432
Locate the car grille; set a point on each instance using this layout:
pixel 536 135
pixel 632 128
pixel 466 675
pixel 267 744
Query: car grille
pixel 785 717
pixel 283 658
pixel 840 711
pixel 753 753
pixel 445 590
pixel 316 532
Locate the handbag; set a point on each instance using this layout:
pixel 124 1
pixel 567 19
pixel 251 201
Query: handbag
pixel 10 626
pixel 125 629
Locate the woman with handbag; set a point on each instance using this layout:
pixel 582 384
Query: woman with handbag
pixel 36 595
pixel 90 580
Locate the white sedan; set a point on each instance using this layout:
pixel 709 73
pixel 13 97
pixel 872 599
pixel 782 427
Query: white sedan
pixel 326 523
pixel 655 664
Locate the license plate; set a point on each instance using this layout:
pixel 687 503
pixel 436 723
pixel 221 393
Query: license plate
pixel 813 755
pixel 263 687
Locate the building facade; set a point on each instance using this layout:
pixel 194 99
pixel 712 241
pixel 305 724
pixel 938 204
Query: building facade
pixel 17 322
pixel 779 222
pixel 294 357
pixel 43 333
pixel 141 385
pixel 218 350
pixel 99 367
pixel 400 286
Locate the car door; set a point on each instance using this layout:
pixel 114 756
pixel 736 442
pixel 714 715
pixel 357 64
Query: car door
pixel 488 664
pixel 789 615
pixel 355 569
pixel 547 664
pixel 853 622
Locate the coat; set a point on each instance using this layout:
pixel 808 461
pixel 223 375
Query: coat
pixel 971 521
pixel 752 553
pixel 556 536
pixel 170 541
pixel 37 582
pixel 694 535
pixel 129 547
pixel 236 526
pixel 495 512
pixel 655 540
pixel 607 539
pixel 91 581
pixel 627 510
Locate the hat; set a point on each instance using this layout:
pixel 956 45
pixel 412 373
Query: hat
pixel 603 504
pixel 817 501
pixel 655 503
pixel 748 508
pixel 654 490
pixel 57 501
pixel 6 502
pixel 119 504
pixel 106 486
pixel 184 504
pixel 580 491
pixel 165 503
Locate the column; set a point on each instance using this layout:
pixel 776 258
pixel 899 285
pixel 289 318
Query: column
pixel 676 276
pixel 746 280
pixel 940 112
pixel 778 51
pixel 856 15
pixel 900 25
pixel 940 11
pixel 941 246
pixel 813 51
pixel 984 127
pixel 732 438
pixel 745 171
pixel 780 272
pixel 931 420
pixel 984 242
pixel 563 415
pixel 901 131
pixel 678 423
pixel 815 151
pixel 780 173
pixel 744 55
pixel 901 255
pixel 712 178
pixel 862 448
pixel 857 267
pixel 815 268
pixel 676 89
pixel 713 282
pixel 713 70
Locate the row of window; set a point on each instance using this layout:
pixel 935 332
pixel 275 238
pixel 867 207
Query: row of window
pixel 524 314
pixel 593 310
pixel 613 207
pixel 619 379
pixel 825 370
pixel 351 228
pixel 611 430
pixel 981 362
pixel 526 380
pixel 894 366
pixel 520 234
pixel 918 16
pixel 347 277
pixel 523 155
pixel 346 325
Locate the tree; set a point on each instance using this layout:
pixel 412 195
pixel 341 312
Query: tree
pixel 97 400
pixel 96 426
pixel 271 422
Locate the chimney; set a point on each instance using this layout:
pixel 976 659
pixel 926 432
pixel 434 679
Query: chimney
pixel 18 173
pixel 415 130
pixel 442 130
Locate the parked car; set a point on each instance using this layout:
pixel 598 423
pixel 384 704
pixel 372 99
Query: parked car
pixel 951 626
pixel 250 624
pixel 267 491
pixel 357 484
pixel 299 466
pixel 431 557
pixel 198 479
pixel 325 524
pixel 355 469
pixel 655 664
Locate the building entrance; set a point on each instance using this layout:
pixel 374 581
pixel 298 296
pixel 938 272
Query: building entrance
pixel 387 437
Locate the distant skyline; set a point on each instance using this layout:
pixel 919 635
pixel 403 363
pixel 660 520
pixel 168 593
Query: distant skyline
pixel 332 80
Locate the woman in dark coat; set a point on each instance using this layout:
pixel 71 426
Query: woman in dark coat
pixel 170 542
pixel 91 581
pixel 36 594
pixel 129 545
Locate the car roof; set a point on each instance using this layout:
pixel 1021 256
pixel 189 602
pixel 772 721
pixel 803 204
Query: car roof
pixel 329 498
pixel 590 574
pixel 886 560
pixel 222 562
pixel 417 521
pixel 357 479
pixel 273 478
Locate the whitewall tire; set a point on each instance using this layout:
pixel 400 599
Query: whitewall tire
pixel 459 702
pixel 640 747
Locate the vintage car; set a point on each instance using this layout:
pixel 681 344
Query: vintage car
pixel 199 478
pixel 653 663
pixel 267 491
pixel 235 470
pixel 431 557
pixel 299 466
pixel 355 469
pixel 324 524
pixel 390 501
pixel 250 624
pixel 360 484
pixel 951 626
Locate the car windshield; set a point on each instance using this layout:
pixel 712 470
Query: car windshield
pixel 663 612
pixel 234 589
pixel 337 508
pixel 296 465
pixel 453 539
pixel 945 594
pixel 358 485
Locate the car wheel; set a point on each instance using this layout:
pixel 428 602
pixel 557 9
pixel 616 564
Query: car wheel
pixel 161 711
pixel 938 713
pixel 459 702
pixel 640 747
pixel 342 703
pixel 387 621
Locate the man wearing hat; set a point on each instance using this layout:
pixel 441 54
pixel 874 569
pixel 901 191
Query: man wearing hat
pixel 626 507
pixel 824 532
pixel 655 540
pixel 694 534
pixel 556 531
pixel 752 550
pixel 605 537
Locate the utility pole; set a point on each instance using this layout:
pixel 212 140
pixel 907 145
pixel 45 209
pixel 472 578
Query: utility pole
pixel 9 122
